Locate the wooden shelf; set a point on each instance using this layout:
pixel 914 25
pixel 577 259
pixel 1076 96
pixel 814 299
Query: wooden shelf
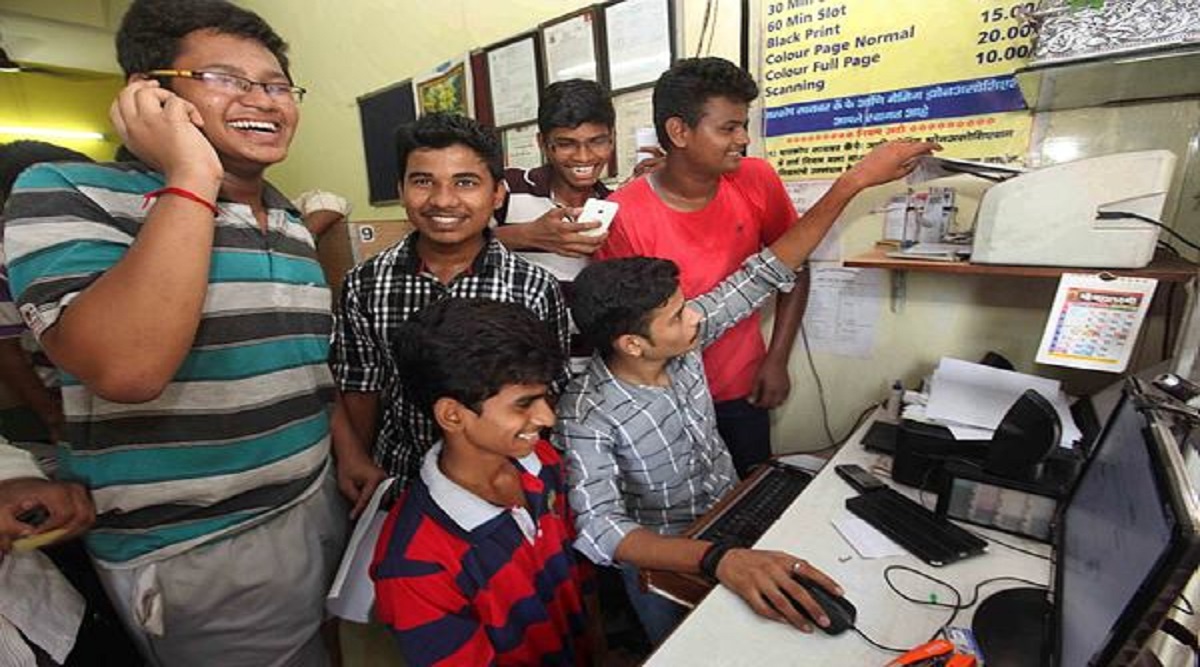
pixel 1164 268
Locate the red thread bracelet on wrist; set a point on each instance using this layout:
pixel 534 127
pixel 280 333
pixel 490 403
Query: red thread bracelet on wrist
pixel 180 192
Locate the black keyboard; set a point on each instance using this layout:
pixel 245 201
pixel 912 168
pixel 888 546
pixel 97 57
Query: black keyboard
pixel 927 536
pixel 752 514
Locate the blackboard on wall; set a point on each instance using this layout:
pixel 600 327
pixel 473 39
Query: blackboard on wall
pixel 382 113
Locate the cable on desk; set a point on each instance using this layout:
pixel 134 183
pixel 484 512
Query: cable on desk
pixel 958 604
pixel 932 600
pixel 872 642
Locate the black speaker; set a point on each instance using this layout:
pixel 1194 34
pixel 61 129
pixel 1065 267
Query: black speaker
pixel 1029 431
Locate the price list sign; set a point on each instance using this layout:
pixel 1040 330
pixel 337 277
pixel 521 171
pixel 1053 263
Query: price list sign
pixel 840 76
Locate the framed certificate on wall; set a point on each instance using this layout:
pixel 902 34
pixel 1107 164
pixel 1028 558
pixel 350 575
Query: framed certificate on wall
pixel 514 80
pixel 639 36
pixel 635 127
pixel 569 48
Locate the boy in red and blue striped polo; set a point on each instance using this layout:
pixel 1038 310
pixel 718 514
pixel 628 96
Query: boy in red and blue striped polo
pixel 474 565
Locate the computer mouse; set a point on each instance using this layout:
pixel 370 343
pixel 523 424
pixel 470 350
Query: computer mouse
pixel 842 614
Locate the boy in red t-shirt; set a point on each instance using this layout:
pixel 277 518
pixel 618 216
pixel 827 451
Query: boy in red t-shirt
pixel 474 565
pixel 708 209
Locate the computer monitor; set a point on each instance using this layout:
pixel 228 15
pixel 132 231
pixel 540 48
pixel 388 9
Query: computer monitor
pixel 1127 542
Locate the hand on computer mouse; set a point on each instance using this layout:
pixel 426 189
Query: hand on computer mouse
pixel 841 613
pixel 764 579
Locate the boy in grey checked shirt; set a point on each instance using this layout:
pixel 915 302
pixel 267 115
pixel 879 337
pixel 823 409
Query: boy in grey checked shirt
pixel 644 458
pixel 451 182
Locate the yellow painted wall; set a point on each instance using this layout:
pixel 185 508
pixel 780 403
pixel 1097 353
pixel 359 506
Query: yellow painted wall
pixel 66 102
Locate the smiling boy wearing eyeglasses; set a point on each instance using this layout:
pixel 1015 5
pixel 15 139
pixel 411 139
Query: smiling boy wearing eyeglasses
pixel 575 131
pixel 181 296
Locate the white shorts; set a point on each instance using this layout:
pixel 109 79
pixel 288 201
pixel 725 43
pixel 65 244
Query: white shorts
pixel 254 599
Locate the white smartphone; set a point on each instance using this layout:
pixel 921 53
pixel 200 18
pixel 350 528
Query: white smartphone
pixel 598 210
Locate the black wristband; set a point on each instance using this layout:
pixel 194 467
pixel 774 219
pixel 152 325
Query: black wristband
pixel 712 558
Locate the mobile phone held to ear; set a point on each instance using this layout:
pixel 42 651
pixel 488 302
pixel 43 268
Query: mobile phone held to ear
pixel 598 210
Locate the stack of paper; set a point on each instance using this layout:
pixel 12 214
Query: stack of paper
pixel 352 595
pixel 930 167
pixel 971 399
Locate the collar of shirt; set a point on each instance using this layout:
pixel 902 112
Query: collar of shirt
pixel 274 199
pixel 602 375
pixel 490 256
pixel 468 510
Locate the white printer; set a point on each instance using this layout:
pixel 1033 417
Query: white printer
pixel 1053 216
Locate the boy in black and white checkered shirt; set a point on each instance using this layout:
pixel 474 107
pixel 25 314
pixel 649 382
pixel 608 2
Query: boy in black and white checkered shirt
pixel 451 182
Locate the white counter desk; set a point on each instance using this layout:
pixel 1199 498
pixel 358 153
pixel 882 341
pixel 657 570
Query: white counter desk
pixel 722 629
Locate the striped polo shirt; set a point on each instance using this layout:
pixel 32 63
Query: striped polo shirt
pixel 242 431
pixel 12 326
pixel 461 581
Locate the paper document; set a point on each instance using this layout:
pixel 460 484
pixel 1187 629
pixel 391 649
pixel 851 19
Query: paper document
pixel 916 412
pixel 929 168
pixel 1094 321
pixel 897 223
pixel 804 195
pixel 976 395
pixel 868 542
pixel 352 595
pixel 844 305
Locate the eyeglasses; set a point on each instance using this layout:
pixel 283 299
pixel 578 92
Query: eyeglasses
pixel 233 83
pixel 595 144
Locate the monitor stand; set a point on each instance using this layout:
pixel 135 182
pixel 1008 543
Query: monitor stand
pixel 1012 628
